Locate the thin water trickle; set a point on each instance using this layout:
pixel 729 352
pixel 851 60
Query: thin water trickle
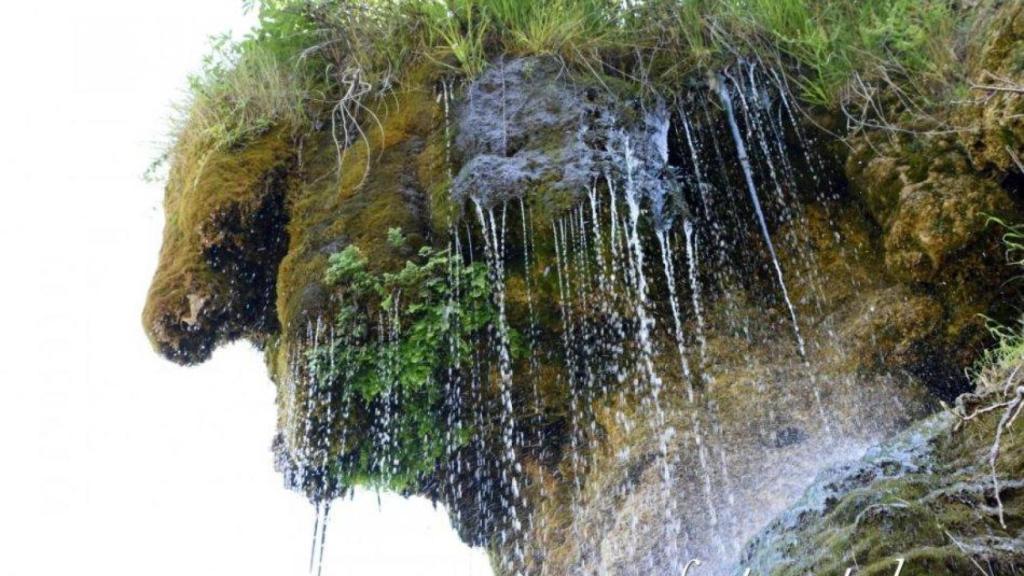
pixel 670 279
pixel 669 269
pixel 695 293
pixel 323 538
pixel 645 327
pixel 315 539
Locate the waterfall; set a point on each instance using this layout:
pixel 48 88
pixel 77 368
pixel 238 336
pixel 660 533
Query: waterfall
pixel 619 360
pixel 567 331
pixel 495 248
pixel 741 152
pixel 645 326
pixel 692 267
pixel 323 538
pixel 536 419
pixel 316 540
pixel 724 273
pixel 669 269
pixel 610 332
pixel 645 320
pixel 453 382
pixel 315 450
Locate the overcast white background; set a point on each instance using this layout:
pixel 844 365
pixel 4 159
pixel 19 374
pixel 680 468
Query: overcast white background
pixel 114 461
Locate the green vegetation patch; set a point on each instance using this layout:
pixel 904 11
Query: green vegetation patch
pixel 396 342
pixel 311 62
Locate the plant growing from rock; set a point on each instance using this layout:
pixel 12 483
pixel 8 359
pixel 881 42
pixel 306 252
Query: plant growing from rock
pixel 395 341
pixel 998 373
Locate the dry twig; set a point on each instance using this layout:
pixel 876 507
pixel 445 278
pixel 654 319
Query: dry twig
pixel 1012 409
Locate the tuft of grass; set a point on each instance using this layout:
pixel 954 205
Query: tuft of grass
pixel 242 90
pixel 317 62
pixel 1007 355
pixel 253 92
pixel 998 373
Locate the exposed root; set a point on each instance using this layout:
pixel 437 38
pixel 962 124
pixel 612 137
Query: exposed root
pixel 969 553
pixel 1012 409
pixel 345 110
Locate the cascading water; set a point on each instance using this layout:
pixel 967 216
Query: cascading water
pixel 528 402
pixel 494 242
pixel 692 276
pixel 744 159
pixel 698 438
pixel 645 323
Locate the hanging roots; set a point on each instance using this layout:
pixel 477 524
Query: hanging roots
pixel 1012 404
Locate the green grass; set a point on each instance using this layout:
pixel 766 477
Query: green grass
pixel 243 90
pixel 1007 355
pixel 323 59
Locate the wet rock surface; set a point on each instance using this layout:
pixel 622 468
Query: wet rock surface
pixel 524 123
pixel 927 496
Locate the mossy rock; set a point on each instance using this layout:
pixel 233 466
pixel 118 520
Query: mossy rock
pixel 996 115
pixel 249 229
pixel 926 497
pixel 247 246
pixel 938 219
pixel 381 186
pixel 223 238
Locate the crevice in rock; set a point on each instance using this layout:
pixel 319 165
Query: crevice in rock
pixel 247 247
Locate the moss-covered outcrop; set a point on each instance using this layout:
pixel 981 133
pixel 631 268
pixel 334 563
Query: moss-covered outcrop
pixel 994 130
pixel 926 497
pixel 353 195
pixel 611 326
pixel 223 239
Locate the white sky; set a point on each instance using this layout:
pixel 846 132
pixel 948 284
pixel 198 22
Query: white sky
pixel 115 462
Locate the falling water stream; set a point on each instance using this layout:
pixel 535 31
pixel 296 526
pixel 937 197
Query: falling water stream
pixel 494 241
pixel 741 153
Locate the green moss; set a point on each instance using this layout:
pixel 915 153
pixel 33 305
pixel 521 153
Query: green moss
pixel 925 515
pixel 213 208
pixel 382 181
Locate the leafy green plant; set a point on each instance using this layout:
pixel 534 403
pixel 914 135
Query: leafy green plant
pixel 998 373
pixel 397 334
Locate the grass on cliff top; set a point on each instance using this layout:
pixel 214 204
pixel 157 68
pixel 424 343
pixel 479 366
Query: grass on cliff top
pixel 321 60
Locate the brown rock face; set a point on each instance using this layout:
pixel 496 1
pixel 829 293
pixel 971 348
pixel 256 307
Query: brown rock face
pixel 933 208
pixel 937 220
pixel 995 139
